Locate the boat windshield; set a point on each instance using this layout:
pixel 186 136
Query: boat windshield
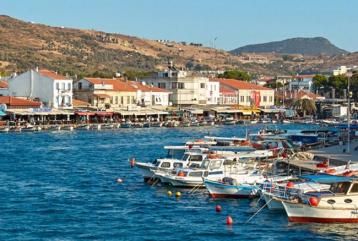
pixel 205 164
pixel 215 164
pixel 196 158
pixel 340 187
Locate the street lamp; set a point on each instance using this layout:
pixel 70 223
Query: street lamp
pixel 349 75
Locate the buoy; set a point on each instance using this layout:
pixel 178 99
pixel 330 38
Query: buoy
pixel 290 185
pixel 181 174
pixel 169 193
pixel 132 162
pixel 218 208
pixel 313 201
pixel 178 194
pixel 229 220
pixel 119 180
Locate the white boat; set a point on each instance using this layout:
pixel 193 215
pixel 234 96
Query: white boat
pixel 96 127
pixel 54 128
pixel 338 204
pixel 126 125
pixel 4 129
pixel 31 128
pixel 83 127
pixel 107 126
pixel 67 128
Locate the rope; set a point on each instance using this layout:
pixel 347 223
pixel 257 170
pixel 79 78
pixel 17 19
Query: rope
pixel 258 211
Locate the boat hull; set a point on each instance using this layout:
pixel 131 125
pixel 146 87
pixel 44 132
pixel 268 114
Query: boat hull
pixel 304 213
pixel 217 189
pixel 272 204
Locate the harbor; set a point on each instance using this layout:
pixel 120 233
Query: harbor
pixel 54 169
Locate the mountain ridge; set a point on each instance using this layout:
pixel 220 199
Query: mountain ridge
pixel 299 45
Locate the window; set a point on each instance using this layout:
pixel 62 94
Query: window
pixel 165 164
pixel 128 100
pixel 57 86
pixel 122 100
pixel 116 100
pixel 80 86
pixel 63 86
pixel 174 85
pixel 133 100
pixel 354 188
pixel 341 187
pixel 196 158
pixel 247 98
pixel 242 98
pixel 180 85
pixel 177 165
pixel 111 100
pixel 195 174
pixel 69 86
pixel 270 98
pixel 215 164
pixel 265 99
pixel 202 85
pixel 162 85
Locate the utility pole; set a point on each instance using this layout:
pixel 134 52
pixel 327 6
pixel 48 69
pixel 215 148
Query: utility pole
pixel 349 114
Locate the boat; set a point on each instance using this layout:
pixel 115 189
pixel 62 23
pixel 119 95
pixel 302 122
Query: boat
pixel 30 128
pixel 67 128
pixel 4 129
pixel 83 127
pixel 126 125
pixel 107 126
pixel 54 128
pixel 156 124
pixel 96 127
pixel 336 205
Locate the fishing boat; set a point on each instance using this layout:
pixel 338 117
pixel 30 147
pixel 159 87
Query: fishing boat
pixel 96 127
pixel 338 204
pixel 83 127
pixel 4 129
pixel 30 128
pixel 156 124
pixel 126 124
pixel 107 126
pixel 54 128
pixel 67 128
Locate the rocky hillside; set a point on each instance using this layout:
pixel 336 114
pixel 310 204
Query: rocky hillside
pixel 306 46
pixel 26 45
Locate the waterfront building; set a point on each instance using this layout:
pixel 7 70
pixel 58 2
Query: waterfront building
pixel 227 96
pixel 213 92
pixel 52 89
pixel 147 95
pixel 186 88
pixel 104 93
pixel 301 82
pixel 248 94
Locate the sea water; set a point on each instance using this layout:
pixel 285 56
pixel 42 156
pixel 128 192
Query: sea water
pixel 62 186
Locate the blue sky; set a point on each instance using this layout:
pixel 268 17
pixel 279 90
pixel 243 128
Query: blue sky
pixel 234 22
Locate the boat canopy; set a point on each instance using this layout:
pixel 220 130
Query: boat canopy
pixel 327 179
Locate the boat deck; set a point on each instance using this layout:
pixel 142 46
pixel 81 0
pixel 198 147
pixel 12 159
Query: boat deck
pixel 336 152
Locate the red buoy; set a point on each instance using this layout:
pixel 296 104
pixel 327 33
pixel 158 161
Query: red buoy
pixel 132 162
pixel 290 185
pixel 218 208
pixel 313 201
pixel 229 220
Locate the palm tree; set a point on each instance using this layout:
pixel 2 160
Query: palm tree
pixel 305 106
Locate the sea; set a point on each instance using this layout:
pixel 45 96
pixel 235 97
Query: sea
pixel 62 186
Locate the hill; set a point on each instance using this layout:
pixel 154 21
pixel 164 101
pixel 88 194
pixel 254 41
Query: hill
pixel 27 45
pixel 306 46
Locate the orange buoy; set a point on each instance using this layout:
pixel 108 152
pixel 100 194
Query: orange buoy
pixel 229 220
pixel 290 185
pixel 218 208
pixel 181 174
pixel 132 162
pixel 313 201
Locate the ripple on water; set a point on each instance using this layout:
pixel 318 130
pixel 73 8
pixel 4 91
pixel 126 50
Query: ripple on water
pixel 62 186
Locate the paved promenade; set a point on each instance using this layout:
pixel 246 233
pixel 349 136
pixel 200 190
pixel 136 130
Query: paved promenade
pixel 337 152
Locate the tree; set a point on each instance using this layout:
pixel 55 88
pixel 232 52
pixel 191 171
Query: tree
pixel 354 86
pixel 320 82
pixel 235 74
pixel 305 106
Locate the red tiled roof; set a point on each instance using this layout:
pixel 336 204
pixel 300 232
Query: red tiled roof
pixel 226 91
pixel 11 101
pixel 145 88
pixel 52 74
pixel 239 84
pixel 118 84
pixel 80 103
pixel 3 84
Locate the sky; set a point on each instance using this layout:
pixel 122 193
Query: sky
pixel 225 24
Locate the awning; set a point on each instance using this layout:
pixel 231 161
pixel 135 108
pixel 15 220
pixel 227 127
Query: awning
pixel 141 112
pixel 32 111
pixel 2 113
pixel 83 113
pixel 272 110
pixel 104 113
pixel 221 110
pixel 102 96
pixel 246 112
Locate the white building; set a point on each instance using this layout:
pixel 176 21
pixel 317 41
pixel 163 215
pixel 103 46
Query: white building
pixel 213 92
pixel 52 89
pixel 147 95
pixel 185 89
